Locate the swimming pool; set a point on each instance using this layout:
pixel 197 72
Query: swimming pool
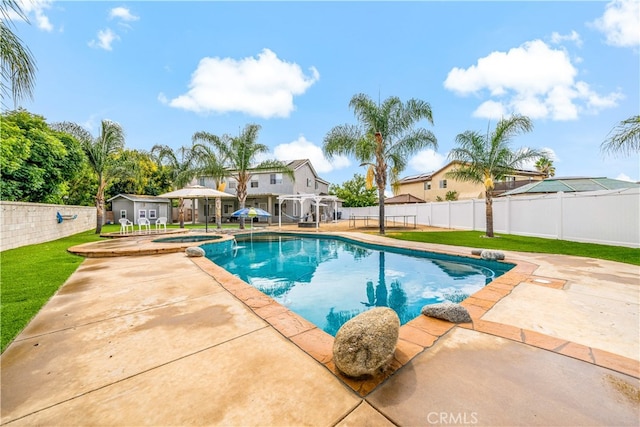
pixel 329 280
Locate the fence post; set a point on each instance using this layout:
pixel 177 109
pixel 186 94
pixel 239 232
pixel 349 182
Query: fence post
pixel 508 215
pixel 560 216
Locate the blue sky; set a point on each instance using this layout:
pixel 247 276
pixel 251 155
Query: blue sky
pixel 165 70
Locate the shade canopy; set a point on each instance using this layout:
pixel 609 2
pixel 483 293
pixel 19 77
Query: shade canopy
pixel 196 192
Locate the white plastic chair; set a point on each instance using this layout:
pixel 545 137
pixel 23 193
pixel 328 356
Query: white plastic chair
pixel 144 222
pixel 124 225
pixel 161 222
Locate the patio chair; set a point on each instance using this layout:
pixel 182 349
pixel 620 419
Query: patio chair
pixel 124 225
pixel 161 222
pixel 144 222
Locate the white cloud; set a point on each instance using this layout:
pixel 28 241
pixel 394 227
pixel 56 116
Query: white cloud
pixel 262 87
pixel 624 177
pixel 301 148
pixel 620 23
pixel 427 161
pixel 558 38
pixel 105 39
pixel 35 10
pixel 533 80
pixel 123 14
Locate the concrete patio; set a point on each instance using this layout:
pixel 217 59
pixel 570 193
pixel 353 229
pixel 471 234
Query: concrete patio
pixel 163 339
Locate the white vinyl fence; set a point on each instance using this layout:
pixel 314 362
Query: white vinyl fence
pixel 610 217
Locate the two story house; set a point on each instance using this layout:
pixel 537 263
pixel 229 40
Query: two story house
pixel 434 186
pixel 264 188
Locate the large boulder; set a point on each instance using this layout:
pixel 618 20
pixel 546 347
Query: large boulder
pixel 195 251
pixel 366 343
pixel 491 255
pixel 451 312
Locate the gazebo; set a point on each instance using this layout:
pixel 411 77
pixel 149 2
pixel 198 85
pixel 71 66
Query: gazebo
pixel 316 199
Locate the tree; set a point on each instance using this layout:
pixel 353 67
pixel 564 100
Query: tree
pixel 101 154
pixel 17 62
pixel 545 166
pixel 36 162
pixel 179 164
pixel 487 158
pixel 354 193
pixel 384 139
pixel 239 154
pixel 624 138
pixel 211 162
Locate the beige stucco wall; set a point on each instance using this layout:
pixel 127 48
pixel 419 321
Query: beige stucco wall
pixel 31 223
pixel 465 190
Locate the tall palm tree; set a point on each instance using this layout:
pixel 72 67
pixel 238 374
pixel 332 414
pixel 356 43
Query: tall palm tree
pixel 239 155
pixel 624 138
pixel 181 169
pixel 101 154
pixel 545 166
pixel 485 159
pixel 18 67
pixel 211 162
pixel 384 139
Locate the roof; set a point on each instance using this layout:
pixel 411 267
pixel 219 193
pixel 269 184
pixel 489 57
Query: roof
pixel 571 184
pixel 141 198
pixel 402 198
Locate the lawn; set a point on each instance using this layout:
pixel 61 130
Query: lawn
pixel 510 242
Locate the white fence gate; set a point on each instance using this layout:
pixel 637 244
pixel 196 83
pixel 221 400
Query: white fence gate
pixel 609 217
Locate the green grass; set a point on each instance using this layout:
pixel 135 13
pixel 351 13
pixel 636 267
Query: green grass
pixel 510 242
pixel 30 275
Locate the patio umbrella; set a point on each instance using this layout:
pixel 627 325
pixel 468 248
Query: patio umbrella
pixel 251 213
pixel 198 192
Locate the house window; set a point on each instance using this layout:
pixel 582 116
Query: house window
pixel 308 182
pixel 254 184
pixel 152 214
pixel 443 183
pixel 316 185
pixel 427 185
pixel 227 209
pixel 142 213
pixel 232 184
pixel 202 181
pixel 275 178
pixel 123 213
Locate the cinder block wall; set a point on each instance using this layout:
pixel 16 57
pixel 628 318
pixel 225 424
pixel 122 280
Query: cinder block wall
pixel 31 223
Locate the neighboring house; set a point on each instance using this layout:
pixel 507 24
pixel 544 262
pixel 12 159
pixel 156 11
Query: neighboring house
pixel 265 186
pixel 570 185
pixel 132 207
pixel 434 186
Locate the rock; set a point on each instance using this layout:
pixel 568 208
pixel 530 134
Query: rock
pixel 366 343
pixel 476 251
pixel 195 251
pixel 448 311
pixel 491 255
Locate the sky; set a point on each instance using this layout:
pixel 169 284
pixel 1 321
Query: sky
pixel 167 69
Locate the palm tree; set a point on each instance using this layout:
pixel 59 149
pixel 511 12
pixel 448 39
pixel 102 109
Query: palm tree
pixel 181 169
pixel 101 154
pixel 545 166
pixel 487 158
pixel 625 138
pixel 210 162
pixel 384 140
pixel 239 154
pixel 17 63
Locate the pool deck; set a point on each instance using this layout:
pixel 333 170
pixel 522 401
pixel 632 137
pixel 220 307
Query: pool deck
pixel 141 334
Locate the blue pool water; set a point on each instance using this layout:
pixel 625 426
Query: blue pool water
pixel 330 280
